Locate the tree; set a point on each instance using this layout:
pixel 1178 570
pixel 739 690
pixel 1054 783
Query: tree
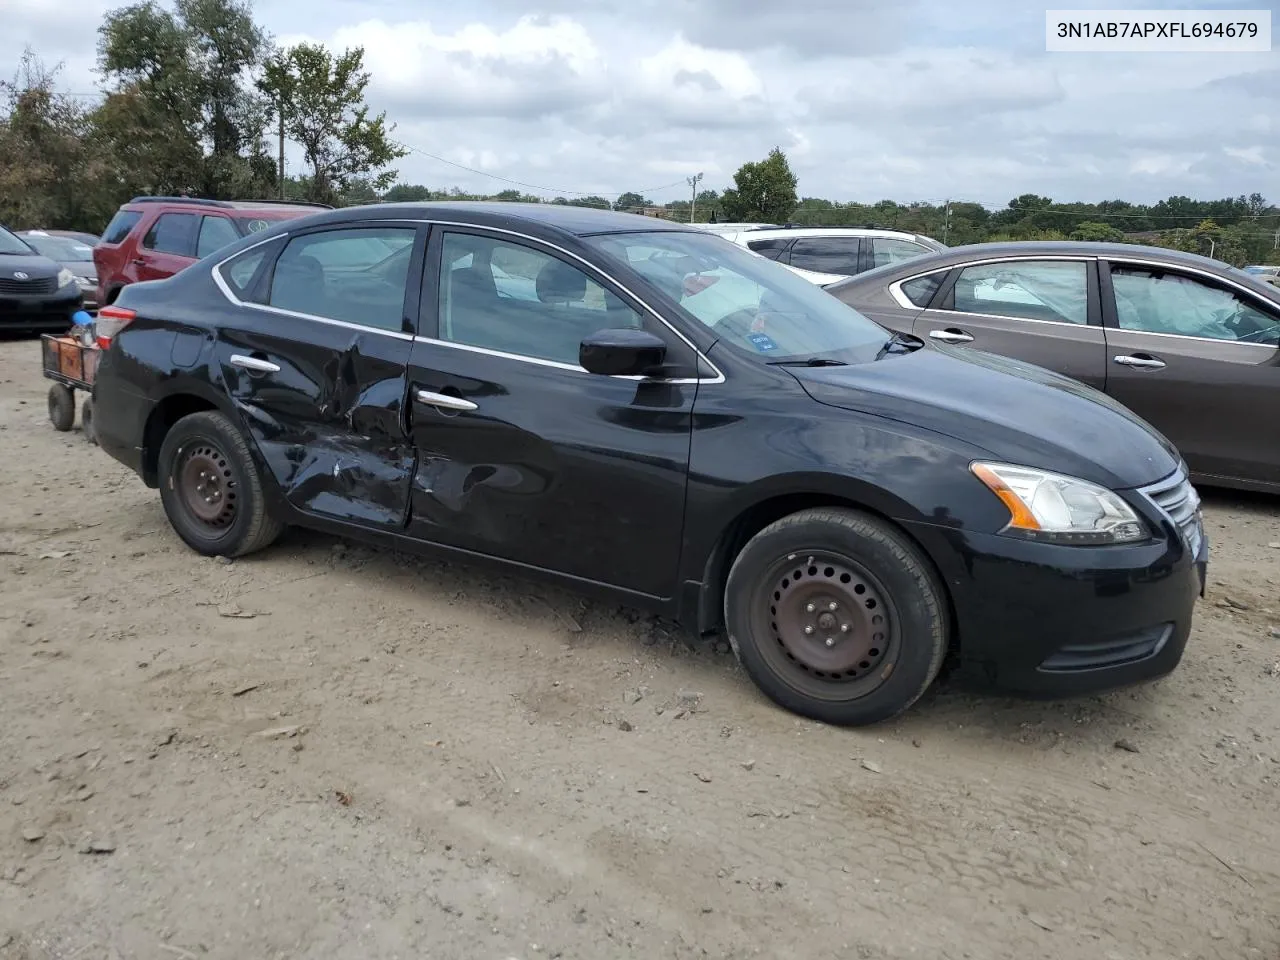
pixel 48 176
pixel 764 190
pixel 599 203
pixel 406 192
pixel 631 201
pixel 179 80
pixel 1097 232
pixel 322 97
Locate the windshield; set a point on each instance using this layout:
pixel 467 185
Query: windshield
pixel 10 244
pixel 756 306
pixel 61 248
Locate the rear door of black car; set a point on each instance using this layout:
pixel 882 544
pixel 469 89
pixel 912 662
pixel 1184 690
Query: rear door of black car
pixel 522 454
pixel 317 360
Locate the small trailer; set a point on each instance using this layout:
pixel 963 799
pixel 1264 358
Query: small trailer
pixel 71 361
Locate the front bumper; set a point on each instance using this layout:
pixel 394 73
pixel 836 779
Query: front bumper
pixel 1042 620
pixel 52 312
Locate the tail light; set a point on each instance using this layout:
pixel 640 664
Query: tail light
pixel 110 321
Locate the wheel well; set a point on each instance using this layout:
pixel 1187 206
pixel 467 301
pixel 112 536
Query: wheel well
pixel 747 524
pixel 167 412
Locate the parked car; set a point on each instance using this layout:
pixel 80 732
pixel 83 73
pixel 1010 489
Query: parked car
pixel 846 503
pixel 1270 274
pixel 36 293
pixel 827 255
pixel 151 238
pixel 71 252
pixel 1188 343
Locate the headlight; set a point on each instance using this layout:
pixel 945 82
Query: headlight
pixel 65 277
pixel 1056 509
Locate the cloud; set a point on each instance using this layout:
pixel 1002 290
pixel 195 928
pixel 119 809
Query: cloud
pixel 535 68
pixel 916 100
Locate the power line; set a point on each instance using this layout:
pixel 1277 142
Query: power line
pixel 534 186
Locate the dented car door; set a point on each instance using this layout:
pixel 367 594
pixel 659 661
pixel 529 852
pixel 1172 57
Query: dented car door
pixel 522 454
pixel 317 369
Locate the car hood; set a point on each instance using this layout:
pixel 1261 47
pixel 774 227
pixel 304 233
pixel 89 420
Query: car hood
pixel 35 267
pixel 1018 412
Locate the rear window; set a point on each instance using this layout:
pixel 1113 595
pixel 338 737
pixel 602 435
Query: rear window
pixel 921 290
pixel 120 225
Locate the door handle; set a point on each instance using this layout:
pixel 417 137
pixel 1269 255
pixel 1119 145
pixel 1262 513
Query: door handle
pixel 951 336
pixel 1144 363
pixel 444 401
pixel 254 364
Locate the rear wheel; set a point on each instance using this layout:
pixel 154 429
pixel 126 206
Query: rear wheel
pixel 62 407
pixel 211 489
pixel 837 616
pixel 86 420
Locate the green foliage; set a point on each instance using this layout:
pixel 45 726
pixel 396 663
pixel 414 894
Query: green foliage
pixel 764 190
pixel 1097 232
pixel 631 201
pixel 178 80
pixel 322 98
pixel 45 156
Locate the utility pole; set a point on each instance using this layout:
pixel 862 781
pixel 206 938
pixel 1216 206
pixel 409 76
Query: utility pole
pixel 946 223
pixel 693 199
pixel 280 111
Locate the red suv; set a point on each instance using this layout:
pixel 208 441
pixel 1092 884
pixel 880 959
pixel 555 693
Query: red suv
pixel 151 238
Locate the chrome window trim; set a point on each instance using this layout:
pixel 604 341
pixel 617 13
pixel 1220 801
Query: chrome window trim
pixel 224 287
pixel 1250 295
pixel 903 301
pixel 895 290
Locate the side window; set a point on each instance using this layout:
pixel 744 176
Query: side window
pixel 512 298
pixel 827 254
pixel 355 275
pixel 173 233
pixel 769 248
pixel 120 225
pixel 921 290
pixel 215 233
pixel 885 250
pixel 239 273
pixel 1054 290
pixel 1155 301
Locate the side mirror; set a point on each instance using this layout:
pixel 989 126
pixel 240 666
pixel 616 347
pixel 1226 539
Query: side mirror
pixel 622 353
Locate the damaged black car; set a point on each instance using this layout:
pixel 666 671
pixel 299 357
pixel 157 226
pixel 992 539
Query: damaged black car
pixel 646 412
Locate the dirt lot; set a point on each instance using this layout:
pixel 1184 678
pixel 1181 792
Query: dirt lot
pixel 329 751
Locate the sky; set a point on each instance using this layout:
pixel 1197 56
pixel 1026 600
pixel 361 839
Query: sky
pixel 910 100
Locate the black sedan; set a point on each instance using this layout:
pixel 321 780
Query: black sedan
pixel 650 413
pixel 1188 343
pixel 36 293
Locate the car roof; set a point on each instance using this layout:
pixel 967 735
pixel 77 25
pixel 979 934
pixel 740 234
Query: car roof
pixel 1068 248
pixel 953 256
pixel 143 203
pixel 579 221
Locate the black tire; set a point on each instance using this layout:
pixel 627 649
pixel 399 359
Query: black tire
pixel 232 518
pixel 86 420
pixel 867 661
pixel 62 407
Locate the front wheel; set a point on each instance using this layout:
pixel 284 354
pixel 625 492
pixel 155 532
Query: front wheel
pixel 211 490
pixel 836 616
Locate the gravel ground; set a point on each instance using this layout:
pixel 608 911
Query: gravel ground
pixel 331 751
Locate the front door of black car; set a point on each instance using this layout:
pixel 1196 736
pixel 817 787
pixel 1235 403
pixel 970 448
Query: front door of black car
pixel 317 364
pixel 522 454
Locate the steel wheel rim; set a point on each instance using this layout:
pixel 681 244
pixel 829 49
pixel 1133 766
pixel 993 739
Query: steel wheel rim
pixel 207 487
pixel 832 653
